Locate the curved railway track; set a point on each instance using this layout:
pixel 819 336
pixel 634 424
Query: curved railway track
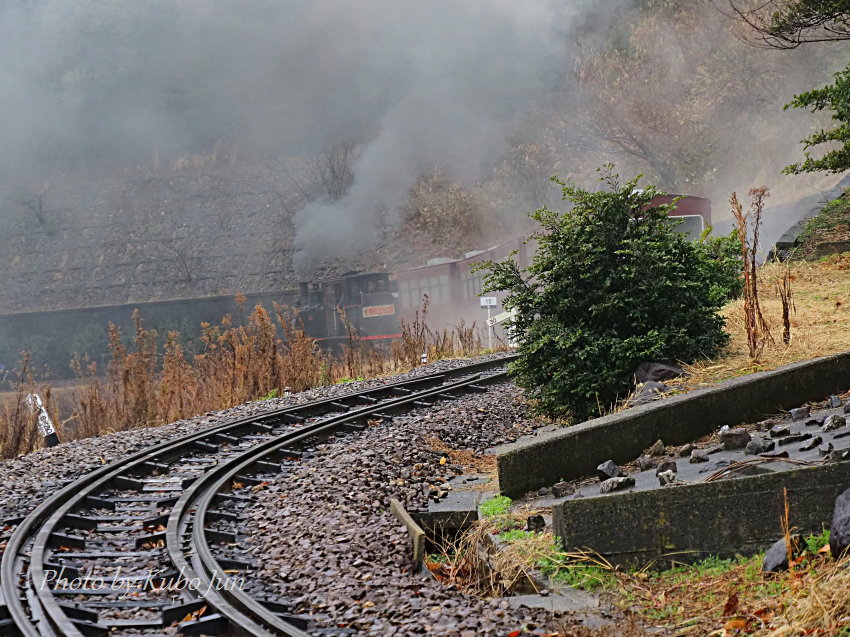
pixel 149 545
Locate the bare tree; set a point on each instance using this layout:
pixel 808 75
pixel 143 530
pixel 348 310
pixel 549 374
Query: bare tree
pixel 786 24
pixel 328 175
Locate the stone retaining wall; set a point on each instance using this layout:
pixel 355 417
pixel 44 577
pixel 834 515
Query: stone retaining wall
pixel 690 522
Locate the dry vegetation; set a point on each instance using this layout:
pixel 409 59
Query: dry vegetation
pixel 819 326
pixel 145 386
pixel 713 597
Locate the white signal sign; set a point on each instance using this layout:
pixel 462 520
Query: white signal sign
pixel 503 316
pixel 489 301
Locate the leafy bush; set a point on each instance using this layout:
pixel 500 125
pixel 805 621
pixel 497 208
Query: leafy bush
pixel 611 285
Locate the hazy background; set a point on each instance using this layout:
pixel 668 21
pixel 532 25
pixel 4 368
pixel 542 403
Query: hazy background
pixel 494 95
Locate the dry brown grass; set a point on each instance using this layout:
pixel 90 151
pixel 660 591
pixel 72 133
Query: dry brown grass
pixel 812 599
pixel 819 327
pixel 145 385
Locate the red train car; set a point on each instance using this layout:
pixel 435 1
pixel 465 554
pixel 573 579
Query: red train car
pixel 453 289
pixel 694 211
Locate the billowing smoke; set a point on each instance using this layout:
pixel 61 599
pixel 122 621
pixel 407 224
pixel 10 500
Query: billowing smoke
pixel 471 72
pixel 94 85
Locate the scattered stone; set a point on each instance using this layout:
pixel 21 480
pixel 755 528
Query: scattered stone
pixel 839 455
pixel 657 372
pixel 543 491
pixel 657 449
pixel 776 557
pixel 668 477
pixel 825 450
pixel 562 489
pixel 758 446
pixel 698 455
pixel 833 422
pixel 535 523
pixel 800 412
pixel 778 431
pixel 666 465
pixel 817 421
pixel 608 470
pixel 645 463
pixel 839 531
pixel 846 407
pixel 616 484
pixel 811 444
pixel 834 401
pixel 685 451
pixel 789 440
pixel 736 438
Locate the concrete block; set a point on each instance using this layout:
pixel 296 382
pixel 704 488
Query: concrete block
pixel 574 452
pixel 693 521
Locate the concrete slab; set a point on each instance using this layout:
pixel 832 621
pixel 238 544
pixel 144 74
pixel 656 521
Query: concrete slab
pixel 574 452
pixel 567 600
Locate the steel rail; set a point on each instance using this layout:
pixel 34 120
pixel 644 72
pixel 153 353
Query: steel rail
pixel 232 602
pixel 39 525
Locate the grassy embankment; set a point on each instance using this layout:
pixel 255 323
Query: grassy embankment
pixel 716 597
pixel 820 324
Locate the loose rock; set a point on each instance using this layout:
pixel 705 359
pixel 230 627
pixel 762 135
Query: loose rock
pixel 562 489
pixel 833 422
pixel 834 401
pixel 839 455
pixel 657 449
pixel 535 523
pixel 800 413
pixel 645 463
pixel 608 470
pixel 685 451
pixel 667 465
pixel 657 372
pixel 758 446
pixel 666 478
pixel 616 484
pixel 736 438
pixel 698 455
pixel 776 557
pixel 778 431
pixel 811 444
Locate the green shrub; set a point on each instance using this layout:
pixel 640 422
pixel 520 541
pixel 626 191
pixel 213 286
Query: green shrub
pixel 611 285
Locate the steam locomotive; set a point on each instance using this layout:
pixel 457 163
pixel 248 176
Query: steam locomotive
pixel 374 304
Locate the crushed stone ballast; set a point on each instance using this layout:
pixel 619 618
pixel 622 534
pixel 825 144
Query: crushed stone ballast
pixel 149 522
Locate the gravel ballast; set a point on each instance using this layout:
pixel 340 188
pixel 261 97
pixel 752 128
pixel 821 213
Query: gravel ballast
pixel 328 545
pixel 30 478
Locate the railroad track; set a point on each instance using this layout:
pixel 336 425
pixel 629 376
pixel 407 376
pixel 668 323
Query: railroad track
pixel 149 545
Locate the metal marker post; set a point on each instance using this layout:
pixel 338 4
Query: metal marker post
pixel 489 302
pixel 45 425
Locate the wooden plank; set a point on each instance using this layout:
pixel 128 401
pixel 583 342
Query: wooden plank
pixel 417 535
